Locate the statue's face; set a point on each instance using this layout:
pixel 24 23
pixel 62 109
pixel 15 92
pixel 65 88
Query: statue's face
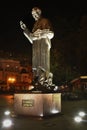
pixel 35 14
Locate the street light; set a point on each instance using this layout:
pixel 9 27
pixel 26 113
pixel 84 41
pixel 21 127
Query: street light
pixel 10 80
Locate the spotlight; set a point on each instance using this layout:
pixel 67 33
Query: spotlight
pixel 82 114
pixel 78 119
pixel 55 88
pixel 54 111
pixel 7 123
pixel 7 112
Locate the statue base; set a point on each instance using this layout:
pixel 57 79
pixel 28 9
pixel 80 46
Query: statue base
pixel 37 104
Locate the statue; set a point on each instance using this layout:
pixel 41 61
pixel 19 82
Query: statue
pixel 40 38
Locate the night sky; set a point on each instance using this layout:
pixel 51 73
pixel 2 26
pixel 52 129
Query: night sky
pixel 11 36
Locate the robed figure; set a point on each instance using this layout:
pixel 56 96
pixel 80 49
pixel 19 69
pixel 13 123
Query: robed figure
pixel 40 38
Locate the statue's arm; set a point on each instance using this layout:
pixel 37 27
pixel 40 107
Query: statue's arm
pixel 26 32
pixel 28 35
pixel 45 33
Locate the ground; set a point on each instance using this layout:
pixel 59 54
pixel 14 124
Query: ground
pixel 62 121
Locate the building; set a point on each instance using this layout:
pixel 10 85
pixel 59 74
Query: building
pixel 9 68
pixel 11 72
pixel 79 83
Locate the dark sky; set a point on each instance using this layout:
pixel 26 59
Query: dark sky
pixel 11 36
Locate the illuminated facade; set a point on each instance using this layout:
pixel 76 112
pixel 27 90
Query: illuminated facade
pixel 11 72
pixel 9 68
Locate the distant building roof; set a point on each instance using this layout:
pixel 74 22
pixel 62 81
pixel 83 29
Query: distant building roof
pixel 84 78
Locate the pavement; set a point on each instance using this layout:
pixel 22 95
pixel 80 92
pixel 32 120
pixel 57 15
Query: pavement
pixel 62 121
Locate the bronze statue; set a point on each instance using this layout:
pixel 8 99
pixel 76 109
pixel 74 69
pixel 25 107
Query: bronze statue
pixel 40 38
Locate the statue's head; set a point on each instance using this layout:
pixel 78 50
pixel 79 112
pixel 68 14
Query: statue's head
pixel 36 13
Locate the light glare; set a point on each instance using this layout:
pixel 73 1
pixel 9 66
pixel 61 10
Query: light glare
pixel 78 119
pixel 7 123
pixel 54 111
pixel 56 88
pixel 82 114
pixel 41 115
pixel 7 112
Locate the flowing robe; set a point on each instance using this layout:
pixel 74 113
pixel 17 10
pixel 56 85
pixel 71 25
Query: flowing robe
pixel 41 36
pixel 41 47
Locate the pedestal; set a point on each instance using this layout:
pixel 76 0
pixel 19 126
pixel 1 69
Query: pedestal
pixel 37 104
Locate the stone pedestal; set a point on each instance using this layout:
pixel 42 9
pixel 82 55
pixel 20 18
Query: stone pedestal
pixel 37 104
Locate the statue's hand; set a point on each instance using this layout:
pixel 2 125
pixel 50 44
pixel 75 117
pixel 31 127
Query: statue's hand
pixel 22 25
